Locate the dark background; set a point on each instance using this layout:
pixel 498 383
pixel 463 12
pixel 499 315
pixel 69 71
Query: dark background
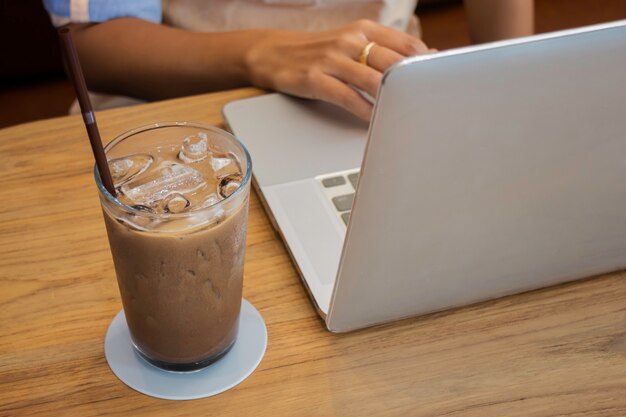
pixel 33 86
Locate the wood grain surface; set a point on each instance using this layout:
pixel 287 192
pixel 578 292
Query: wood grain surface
pixel 560 351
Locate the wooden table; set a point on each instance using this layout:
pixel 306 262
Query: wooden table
pixel 559 351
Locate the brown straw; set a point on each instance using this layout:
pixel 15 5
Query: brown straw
pixel 76 76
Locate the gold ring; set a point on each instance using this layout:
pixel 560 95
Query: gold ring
pixel 365 53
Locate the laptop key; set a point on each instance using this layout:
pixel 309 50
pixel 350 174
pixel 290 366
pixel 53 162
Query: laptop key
pixel 343 202
pixel 333 181
pixel 354 179
pixel 345 217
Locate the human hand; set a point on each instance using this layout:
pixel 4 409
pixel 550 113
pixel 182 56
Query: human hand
pixel 325 65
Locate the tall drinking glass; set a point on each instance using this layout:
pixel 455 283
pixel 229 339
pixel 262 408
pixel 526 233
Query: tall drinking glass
pixel 177 232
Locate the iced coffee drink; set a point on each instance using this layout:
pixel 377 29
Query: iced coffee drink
pixel 177 231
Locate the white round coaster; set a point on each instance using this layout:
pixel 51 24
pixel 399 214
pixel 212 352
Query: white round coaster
pixel 234 367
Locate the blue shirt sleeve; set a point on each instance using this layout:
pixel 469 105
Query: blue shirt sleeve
pixel 102 10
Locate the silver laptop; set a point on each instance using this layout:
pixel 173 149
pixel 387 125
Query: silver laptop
pixel 486 171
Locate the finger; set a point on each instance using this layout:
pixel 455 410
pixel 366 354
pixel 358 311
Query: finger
pixel 381 58
pixel 357 74
pixel 334 91
pixel 400 42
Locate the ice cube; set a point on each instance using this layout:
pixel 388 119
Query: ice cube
pixel 195 148
pixel 225 164
pixel 168 178
pixel 228 185
pixel 210 200
pixel 175 203
pixel 143 208
pixel 137 221
pixel 126 168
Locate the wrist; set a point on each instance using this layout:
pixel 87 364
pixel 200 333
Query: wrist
pixel 258 58
pixel 225 56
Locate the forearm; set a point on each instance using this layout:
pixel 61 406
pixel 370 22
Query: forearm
pixel 492 20
pixel 150 61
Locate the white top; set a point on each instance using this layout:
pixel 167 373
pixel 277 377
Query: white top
pixel 225 15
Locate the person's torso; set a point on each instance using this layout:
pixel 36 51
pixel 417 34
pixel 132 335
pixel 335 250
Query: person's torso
pixel 307 15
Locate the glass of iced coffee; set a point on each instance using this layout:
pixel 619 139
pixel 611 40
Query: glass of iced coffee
pixel 177 232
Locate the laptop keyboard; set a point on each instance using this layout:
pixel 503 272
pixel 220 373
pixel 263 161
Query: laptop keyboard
pixel 340 188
